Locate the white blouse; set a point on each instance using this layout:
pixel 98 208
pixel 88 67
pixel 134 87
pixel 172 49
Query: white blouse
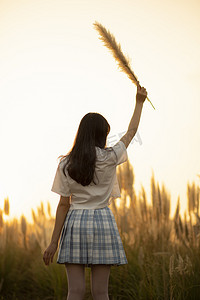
pixel 93 196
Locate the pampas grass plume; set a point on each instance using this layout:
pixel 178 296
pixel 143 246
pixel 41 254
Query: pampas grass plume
pixel 115 48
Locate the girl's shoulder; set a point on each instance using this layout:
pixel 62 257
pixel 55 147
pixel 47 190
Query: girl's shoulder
pixel 63 162
pixel 116 153
pixel 101 154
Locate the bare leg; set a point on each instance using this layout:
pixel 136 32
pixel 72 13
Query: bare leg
pixel 76 281
pixel 99 281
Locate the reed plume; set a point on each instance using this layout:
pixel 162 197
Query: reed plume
pixel 1 219
pixel 6 206
pixel 49 209
pixel 24 229
pixel 115 48
pixel 23 225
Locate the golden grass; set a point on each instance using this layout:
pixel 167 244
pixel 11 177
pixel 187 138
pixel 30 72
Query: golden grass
pixel 163 252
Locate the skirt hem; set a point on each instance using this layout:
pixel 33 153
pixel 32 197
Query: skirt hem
pixel 89 265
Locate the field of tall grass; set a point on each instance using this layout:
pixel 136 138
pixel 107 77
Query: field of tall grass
pixel 163 252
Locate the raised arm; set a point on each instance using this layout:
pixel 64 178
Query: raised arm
pixel 134 122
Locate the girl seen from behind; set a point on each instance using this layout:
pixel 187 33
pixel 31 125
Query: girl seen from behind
pixel 86 181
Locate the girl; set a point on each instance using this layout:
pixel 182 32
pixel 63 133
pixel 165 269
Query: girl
pixel 86 182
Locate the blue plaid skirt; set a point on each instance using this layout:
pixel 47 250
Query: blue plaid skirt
pixel 91 236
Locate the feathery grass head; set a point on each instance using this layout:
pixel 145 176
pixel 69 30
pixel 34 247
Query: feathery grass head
pixel 115 48
pixel 6 206
pixel 23 225
pixel 34 216
pixel 110 42
pixel 49 209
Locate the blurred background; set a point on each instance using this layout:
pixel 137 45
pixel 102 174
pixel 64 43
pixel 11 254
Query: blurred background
pixel 54 69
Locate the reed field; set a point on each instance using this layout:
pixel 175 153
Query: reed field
pixel 163 252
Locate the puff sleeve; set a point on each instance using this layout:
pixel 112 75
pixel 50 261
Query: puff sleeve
pixel 60 183
pixel 120 153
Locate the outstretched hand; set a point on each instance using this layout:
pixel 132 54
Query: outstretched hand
pixel 49 253
pixel 141 93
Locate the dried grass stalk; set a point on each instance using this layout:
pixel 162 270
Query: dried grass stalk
pixel 123 62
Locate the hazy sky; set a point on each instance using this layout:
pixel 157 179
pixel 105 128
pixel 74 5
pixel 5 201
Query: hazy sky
pixel 54 69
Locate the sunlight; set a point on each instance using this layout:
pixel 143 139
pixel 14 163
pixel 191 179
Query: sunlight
pixel 53 63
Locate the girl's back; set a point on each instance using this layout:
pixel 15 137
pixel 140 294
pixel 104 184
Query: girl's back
pixel 99 193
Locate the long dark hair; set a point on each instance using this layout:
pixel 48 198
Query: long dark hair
pixel 93 130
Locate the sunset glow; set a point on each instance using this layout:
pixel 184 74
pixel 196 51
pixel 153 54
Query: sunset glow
pixel 54 69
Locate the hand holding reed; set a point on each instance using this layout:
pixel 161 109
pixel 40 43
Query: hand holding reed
pixel 141 93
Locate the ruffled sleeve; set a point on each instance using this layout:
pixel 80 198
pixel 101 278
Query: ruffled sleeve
pixel 120 153
pixel 60 183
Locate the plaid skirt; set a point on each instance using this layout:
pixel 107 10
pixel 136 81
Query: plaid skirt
pixel 91 236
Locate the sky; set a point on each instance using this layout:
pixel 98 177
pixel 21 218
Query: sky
pixel 54 70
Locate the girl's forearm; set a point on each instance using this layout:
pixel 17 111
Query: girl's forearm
pixel 134 122
pixel 133 125
pixel 61 213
